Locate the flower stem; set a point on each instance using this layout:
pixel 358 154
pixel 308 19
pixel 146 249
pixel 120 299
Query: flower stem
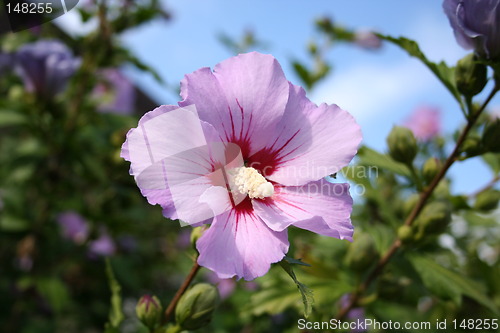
pixel 182 289
pixel 424 196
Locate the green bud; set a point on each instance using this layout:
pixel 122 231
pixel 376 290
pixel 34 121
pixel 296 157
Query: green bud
pixel 491 136
pixel 434 218
pixel 487 200
pixel 470 76
pixel 313 48
pixel 406 234
pixel 410 203
pixel 16 92
pixel 325 24
pixel 430 169
pixel 361 253
pixel 149 311
pixel 442 191
pixel 196 306
pixel 195 235
pixel 472 146
pixel 402 145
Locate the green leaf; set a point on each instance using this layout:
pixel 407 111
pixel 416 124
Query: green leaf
pixel 294 261
pixel 369 156
pixel 11 118
pixel 115 314
pixel 305 292
pixel 449 284
pixel 444 73
pixel 55 292
pixel 275 298
pixel 476 219
pixel 303 74
pixel 493 161
pixel 13 224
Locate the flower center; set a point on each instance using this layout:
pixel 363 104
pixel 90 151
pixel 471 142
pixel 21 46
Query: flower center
pixel 249 181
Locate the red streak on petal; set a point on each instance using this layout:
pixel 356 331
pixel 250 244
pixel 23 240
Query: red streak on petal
pixel 243 208
pixel 267 160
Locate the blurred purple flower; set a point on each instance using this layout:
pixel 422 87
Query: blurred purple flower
pixel 184 239
pixel 226 286
pixel 73 227
pixel 5 62
pixel 127 243
pixel 104 246
pixel 115 91
pixel 45 66
pixel 251 286
pixel 355 314
pixel 247 151
pixel 424 122
pixel 476 25
pixel 367 39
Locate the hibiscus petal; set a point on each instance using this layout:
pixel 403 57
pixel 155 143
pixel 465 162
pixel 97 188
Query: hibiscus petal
pixel 244 98
pixel 240 244
pixel 321 207
pixel 309 143
pixel 173 161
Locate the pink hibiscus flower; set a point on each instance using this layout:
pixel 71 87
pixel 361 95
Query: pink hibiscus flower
pixel 247 152
pixel 425 123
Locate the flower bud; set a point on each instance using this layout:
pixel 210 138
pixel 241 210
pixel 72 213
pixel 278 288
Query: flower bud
pixel 313 48
pixel 410 203
pixel 402 145
pixel 491 136
pixel 406 234
pixel 472 146
pixel 149 311
pixel 325 24
pixel 361 253
pixel 430 169
pixel 470 76
pixel 434 218
pixel 195 235
pixel 487 200
pixel 196 306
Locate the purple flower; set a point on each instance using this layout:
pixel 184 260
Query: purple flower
pixel 246 152
pixel 45 66
pixel 226 286
pixel 5 62
pixel 425 123
pixel 476 25
pixel 128 243
pixel 355 314
pixel 103 246
pixel 116 92
pixel 73 227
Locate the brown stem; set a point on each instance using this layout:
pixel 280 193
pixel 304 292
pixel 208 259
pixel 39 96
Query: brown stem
pixel 425 195
pixel 182 289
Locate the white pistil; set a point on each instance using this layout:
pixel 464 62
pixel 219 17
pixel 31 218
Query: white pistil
pixel 250 181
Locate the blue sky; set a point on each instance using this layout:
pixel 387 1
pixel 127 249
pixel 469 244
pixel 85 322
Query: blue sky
pixel 379 88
